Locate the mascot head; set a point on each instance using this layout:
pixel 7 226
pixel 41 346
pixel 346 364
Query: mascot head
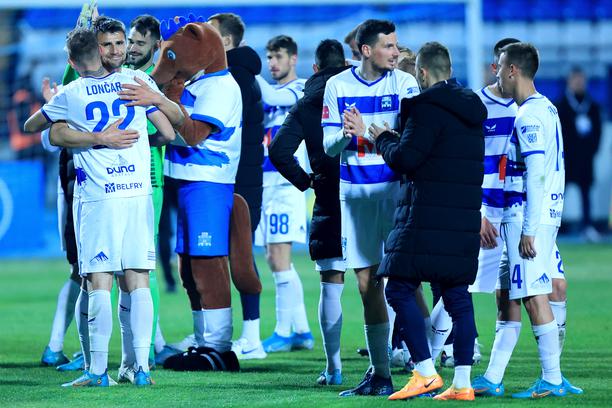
pixel 189 46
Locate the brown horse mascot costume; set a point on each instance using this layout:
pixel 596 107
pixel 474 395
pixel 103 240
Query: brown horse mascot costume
pixel 190 48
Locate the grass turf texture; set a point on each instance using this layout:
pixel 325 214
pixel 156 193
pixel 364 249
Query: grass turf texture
pixel 29 291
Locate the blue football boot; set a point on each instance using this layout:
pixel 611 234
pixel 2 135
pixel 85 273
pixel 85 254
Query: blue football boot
pixel 53 358
pixel 325 378
pixel 142 379
pixel 484 387
pixel 542 389
pixel 276 343
pixel 77 364
pixel 302 341
pixel 89 380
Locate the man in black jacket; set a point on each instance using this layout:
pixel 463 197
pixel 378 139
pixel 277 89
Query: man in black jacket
pixel 436 235
pixel 303 124
pixel 244 64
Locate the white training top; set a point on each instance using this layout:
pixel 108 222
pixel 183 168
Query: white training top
pixel 91 104
pixel 363 171
pixel 537 150
pixel 273 120
pixel 215 99
pixel 497 131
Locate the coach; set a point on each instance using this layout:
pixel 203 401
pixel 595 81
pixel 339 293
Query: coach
pixel 436 234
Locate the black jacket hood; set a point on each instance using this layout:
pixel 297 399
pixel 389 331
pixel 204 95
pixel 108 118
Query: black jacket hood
pixel 245 57
pixel 314 89
pixel 454 98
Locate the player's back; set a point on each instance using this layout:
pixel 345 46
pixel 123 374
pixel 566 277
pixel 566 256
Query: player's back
pixel 363 171
pixel 91 104
pixel 497 131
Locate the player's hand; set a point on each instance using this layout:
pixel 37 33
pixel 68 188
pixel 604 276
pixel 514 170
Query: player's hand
pixel 116 138
pixel 139 95
pixel 48 90
pixel 353 123
pixel 174 89
pixel 488 234
pixel 374 131
pixel 527 247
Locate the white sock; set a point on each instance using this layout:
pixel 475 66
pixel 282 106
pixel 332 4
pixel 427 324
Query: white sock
pixel 506 336
pixel 124 305
pixel 441 326
pixel 100 329
pixel 218 329
pixel 250 331
pixel 547 336
pixel 141 320
pixel 284 301
pixel 198 326
pixel 330 321
pixel 81 311
pixel 559 310
pixel 377 339
pixel 299 317
pixel 159 342
pixel 426 368
pixel 64 312
pixel 462 377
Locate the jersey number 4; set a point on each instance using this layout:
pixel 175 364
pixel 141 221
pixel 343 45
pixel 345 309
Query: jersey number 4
pixel 102 108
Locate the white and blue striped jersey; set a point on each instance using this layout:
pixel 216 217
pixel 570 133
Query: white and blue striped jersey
pixel 91 104
pixel 215 99
pixel 497 131
pixel 537 131
pixel 274 116
pixel 363 171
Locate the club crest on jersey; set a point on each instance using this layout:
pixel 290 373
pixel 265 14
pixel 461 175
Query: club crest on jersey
pixel 386 103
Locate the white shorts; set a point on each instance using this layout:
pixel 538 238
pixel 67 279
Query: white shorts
pixel 283 216
pixel 556 264
pixel 330 264
pixel 527 277
pixel 114 235
pixel 488 267
pixel 365 227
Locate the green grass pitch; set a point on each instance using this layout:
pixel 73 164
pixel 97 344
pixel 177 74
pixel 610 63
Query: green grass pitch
pixel 28 294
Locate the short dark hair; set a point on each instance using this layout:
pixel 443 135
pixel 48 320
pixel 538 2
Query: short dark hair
pixel 329 53
pixel 524 56
pixel 82 45
pixel 146 23
pixel 105 24
pixel 230 24
pixel 501 44
pixel 351 35
pixel 435 57
pixel 282 41
pixel 368 31
pixel 407 63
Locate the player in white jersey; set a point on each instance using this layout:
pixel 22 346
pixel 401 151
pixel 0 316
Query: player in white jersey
pixel 533 206
pixel 283 208
pixel 353 100
pixel 111 184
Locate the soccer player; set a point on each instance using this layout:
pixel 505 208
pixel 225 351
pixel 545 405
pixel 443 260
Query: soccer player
pixel 111 184
pixel 244 64
pixel 283 212
pixel 369 189
pixel 351 40
pixel 534 189
pixel 303 125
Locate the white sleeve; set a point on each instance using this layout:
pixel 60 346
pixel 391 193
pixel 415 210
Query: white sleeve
pixel 57 108
pixel 277 97
pixel 409 87
pixel 531 141
pixel 333 136
pixel 46 142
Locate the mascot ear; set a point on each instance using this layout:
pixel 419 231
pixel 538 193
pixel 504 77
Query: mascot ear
pixel 194 31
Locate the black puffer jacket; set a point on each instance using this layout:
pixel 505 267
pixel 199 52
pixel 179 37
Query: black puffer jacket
pixel 304 123
pixel 244 64
pixel 441 152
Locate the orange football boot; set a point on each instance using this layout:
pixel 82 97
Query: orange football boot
pixel 457 394
pixel 418 385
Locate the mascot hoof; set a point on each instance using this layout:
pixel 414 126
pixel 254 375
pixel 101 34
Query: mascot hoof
pixel 203 359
